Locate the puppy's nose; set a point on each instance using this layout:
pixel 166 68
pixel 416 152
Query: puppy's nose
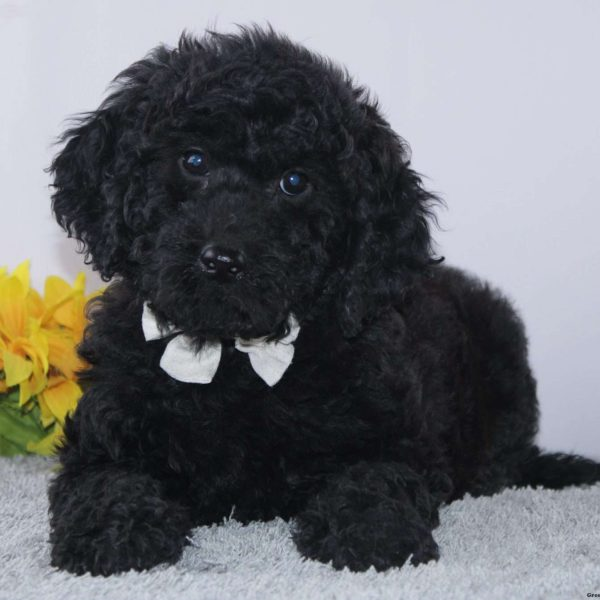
pixel 222 263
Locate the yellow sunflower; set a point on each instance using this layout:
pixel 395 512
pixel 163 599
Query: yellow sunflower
pixel 38 339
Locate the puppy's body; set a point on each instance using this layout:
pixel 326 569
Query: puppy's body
pixel 409 384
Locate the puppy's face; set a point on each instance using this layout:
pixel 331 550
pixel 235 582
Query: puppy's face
pixel 238 180
pixel 243 217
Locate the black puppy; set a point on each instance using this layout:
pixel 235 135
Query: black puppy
pixel 278 338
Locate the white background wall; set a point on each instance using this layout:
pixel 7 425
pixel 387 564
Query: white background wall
pixel 499 100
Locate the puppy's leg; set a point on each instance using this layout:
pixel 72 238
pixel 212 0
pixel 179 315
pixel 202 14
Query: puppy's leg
pixel 106 519
pixel 371 514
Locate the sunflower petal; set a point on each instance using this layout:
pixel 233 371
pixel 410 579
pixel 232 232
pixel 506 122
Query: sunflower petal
pixel 35 304
pixel 47 446
pixel 13 316
pixel 55 289
pixel 39 346
pixel 46 416
pixel 62 354
pixel 62 398
pixel 16 368
pixel 59 298
pixel 21 272
pixel 25 392
pixel 79 283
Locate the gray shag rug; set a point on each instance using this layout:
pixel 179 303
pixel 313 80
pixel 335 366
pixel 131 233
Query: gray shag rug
pixel 519 544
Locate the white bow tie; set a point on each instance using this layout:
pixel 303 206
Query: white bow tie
pixel 182 362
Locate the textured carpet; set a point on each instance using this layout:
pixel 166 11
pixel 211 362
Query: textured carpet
pixel 516 545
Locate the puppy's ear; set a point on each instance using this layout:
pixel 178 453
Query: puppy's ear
pixel 97 175
pixel 88 191
pixel 390 237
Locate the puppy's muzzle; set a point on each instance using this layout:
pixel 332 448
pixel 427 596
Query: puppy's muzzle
pixel 224 264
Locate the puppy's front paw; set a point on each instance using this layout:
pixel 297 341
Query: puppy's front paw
pixel 360 520
pixel 105 523
pixel 358 541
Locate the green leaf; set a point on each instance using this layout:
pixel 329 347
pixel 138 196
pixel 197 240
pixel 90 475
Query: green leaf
pixel 7 448
pixel 17 426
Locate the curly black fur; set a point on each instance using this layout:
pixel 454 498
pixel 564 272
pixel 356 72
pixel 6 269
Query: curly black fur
pixel 410 384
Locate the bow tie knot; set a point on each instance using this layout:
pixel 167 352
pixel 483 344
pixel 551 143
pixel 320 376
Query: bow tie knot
pixel 182 361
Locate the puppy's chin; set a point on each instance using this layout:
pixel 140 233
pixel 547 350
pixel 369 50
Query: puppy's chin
pixel 226 312
pixel 243 331
pixel 226 323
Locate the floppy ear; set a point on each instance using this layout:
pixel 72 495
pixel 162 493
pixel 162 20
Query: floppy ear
pixel 389 239
pixel 87 199
pixel 97 175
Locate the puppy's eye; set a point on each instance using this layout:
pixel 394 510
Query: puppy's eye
pixel 293 183
pixel 195 162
